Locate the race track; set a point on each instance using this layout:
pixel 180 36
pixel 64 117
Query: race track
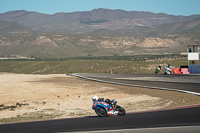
pixel 188 116
pixel 166 118
pixel 182 83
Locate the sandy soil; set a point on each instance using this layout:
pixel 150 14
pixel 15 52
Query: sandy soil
pixel 62 96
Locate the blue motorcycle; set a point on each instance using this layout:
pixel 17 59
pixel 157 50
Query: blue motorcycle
pixel 107 108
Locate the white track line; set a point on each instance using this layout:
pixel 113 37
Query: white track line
pixel 169 89
pixel 146 130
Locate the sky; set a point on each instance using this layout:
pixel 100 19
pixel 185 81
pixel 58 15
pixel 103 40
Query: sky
pixel 173 7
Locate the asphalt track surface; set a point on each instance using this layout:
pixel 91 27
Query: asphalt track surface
pixel 165 118
pixel 181 117
pixel 181 83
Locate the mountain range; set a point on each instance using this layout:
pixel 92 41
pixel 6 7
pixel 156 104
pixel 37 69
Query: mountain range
pixel 90 20
pixel 98 32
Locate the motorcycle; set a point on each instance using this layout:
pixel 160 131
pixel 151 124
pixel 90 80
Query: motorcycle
pixel 157 70
pixel 107 107
pixel 167 71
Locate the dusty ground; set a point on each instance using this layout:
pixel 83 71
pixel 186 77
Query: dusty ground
pixel 35 97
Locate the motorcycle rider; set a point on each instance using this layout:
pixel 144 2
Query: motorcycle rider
pixel 160 66
pixel 95 98
pixel 107 107
pixel 167 69
pixel 158 69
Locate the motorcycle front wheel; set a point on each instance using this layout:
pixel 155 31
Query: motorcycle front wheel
pixel 100 111
pixel 121 111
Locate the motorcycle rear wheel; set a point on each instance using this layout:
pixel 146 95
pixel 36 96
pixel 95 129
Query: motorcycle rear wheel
pixel 100 111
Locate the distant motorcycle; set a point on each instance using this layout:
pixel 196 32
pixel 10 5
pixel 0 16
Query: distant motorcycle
pixel 158 69
pixel 107 108
pixel 168 70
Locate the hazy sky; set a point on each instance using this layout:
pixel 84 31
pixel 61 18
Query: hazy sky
pixel 174 7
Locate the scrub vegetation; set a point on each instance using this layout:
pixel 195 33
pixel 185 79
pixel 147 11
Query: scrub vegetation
pixel 87 66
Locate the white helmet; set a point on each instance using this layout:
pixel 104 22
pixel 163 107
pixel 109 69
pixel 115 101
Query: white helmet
pixel 95 98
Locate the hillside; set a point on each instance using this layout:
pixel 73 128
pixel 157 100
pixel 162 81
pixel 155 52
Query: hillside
pixel 88 21
pixel 186 28
pixel 12 27
pixel 105 33
pixel 57 45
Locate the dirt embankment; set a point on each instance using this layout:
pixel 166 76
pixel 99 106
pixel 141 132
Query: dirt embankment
pixel 36 97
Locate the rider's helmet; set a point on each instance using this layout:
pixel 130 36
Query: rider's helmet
pixel 160 65
pixel 94 98
pixel 169 65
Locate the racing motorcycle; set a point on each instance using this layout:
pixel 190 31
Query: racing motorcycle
pixel 168 70
pixel 107 108
pixel 157 70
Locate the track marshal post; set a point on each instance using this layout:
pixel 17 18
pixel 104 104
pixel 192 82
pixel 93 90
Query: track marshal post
pixel 193 55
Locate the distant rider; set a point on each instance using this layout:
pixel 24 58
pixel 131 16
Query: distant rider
pixel 167 69
pixel 160 66
pixel 158 69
